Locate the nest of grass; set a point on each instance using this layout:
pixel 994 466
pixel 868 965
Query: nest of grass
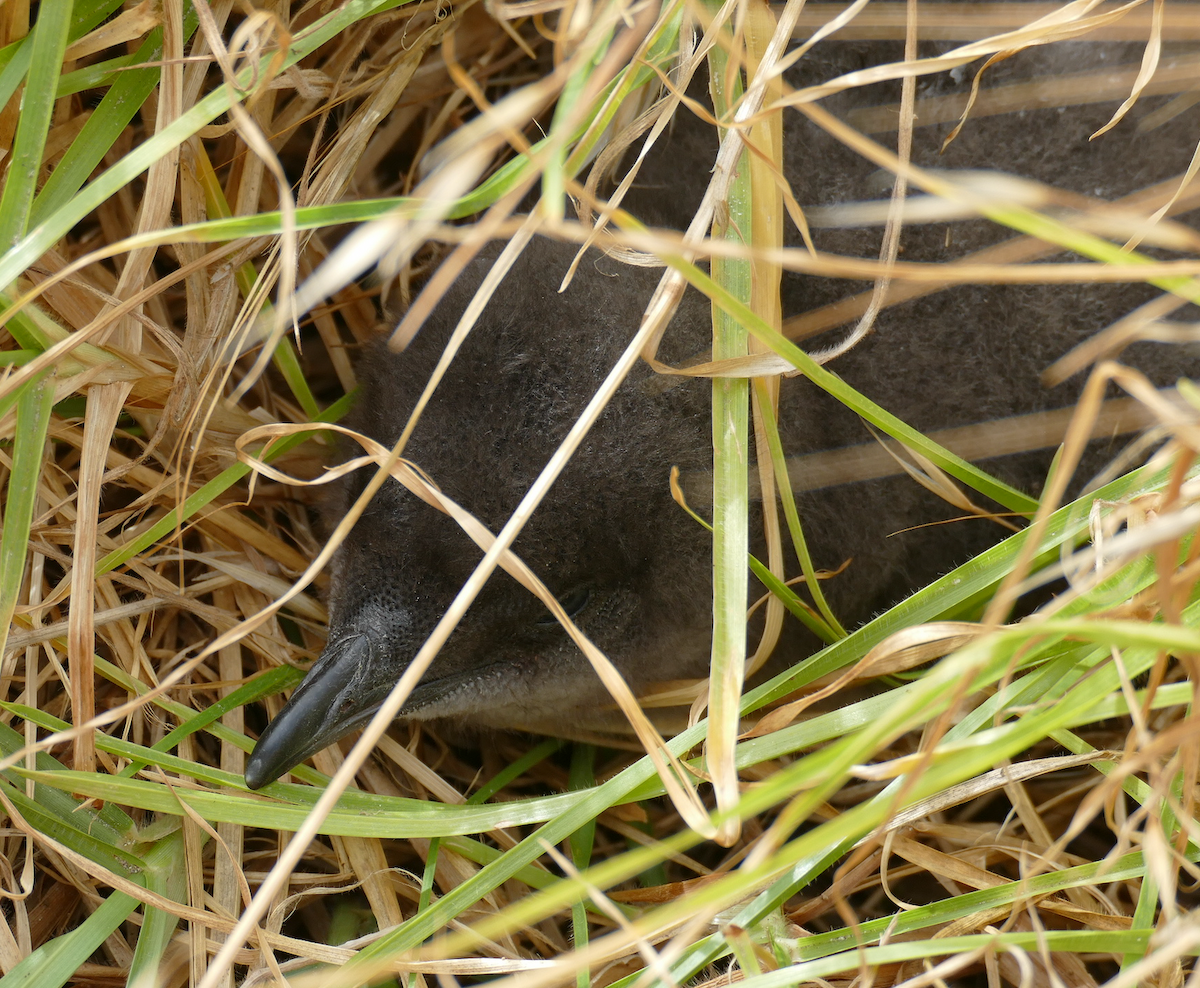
pixel 197 198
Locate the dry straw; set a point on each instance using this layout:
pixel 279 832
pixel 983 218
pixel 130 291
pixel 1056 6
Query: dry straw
pixel 207 209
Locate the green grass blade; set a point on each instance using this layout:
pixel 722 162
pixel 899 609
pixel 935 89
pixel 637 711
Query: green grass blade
pixel 33 418
pixel 731 469
pixel 166 874
pixel 15 58
pixel 129 90
pixel 95 76
pixel 108 823
pixel 792 517
pixel 582 844
pixel 57 962
pixel 71 833
pixel 33 124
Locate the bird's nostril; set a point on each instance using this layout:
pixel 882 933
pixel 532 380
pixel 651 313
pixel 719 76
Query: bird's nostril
pixel 573 602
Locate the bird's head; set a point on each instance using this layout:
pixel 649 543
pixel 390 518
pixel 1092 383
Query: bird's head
pixel 629 567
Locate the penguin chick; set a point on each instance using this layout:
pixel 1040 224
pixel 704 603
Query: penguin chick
pixel 625 562
pixel 630 567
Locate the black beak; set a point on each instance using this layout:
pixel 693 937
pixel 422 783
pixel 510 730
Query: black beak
pixel 340 693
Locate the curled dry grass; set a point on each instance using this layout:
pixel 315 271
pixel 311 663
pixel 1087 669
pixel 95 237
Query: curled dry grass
pixel 174 173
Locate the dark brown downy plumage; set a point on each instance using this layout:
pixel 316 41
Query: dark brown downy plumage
pixel 626 562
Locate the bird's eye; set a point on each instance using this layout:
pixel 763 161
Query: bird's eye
pixel 573 601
